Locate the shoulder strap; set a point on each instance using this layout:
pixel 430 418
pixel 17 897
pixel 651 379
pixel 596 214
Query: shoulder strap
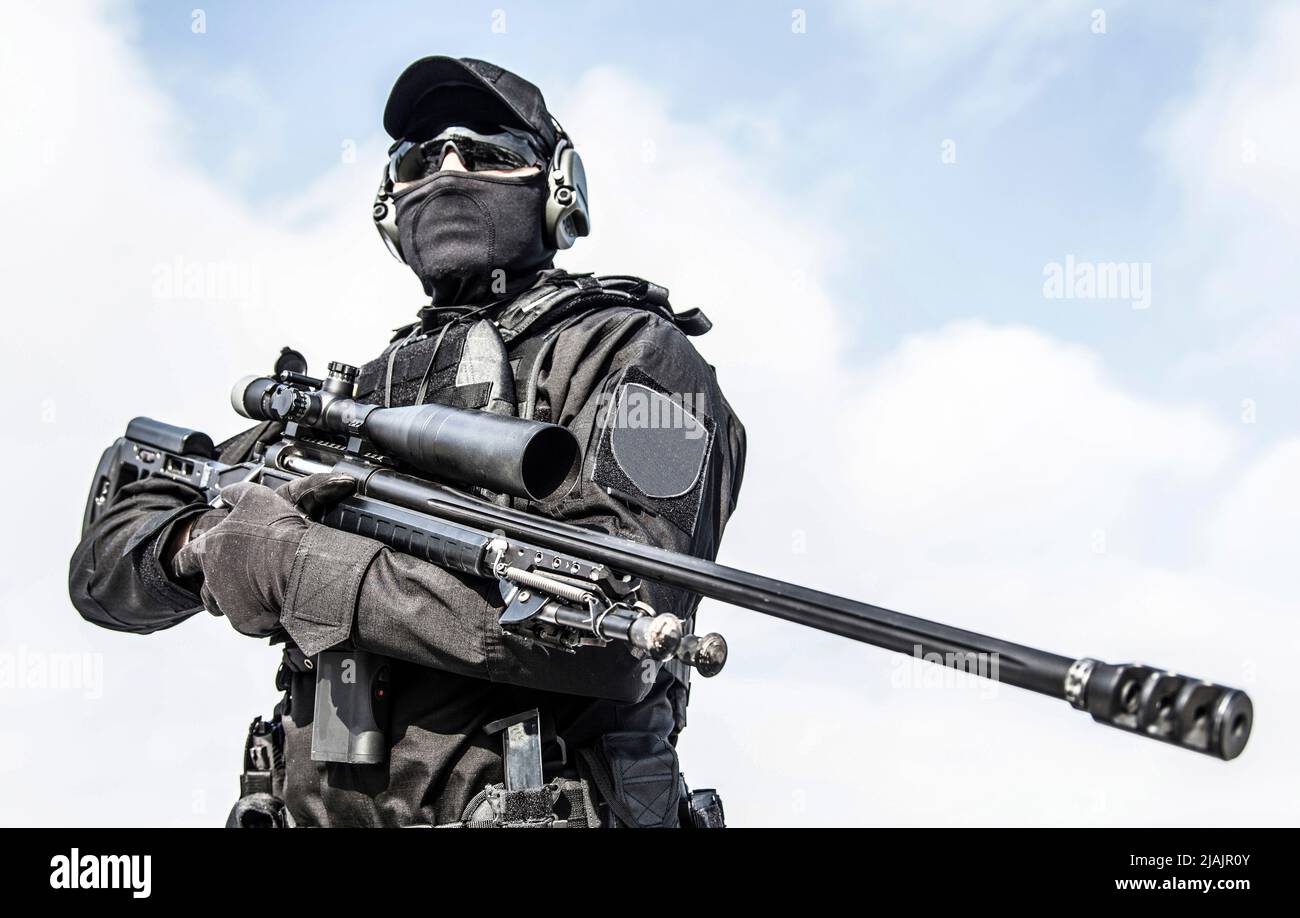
pixel 564 294
pixel 692 321
pixel 530 325
pixel 533 352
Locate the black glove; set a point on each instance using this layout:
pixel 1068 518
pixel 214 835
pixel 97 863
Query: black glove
pixel 245 553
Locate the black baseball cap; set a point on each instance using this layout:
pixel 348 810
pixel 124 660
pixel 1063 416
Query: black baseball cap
pixel 436 91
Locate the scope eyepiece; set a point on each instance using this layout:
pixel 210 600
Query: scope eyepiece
pixel 248 395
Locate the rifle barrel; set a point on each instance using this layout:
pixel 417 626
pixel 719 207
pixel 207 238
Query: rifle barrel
pixel 1149 701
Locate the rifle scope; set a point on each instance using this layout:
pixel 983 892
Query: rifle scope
pixel 505 455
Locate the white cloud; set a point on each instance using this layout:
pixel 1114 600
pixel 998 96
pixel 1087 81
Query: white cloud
pixel 1233 144
pixel 962 478
pixel 1253 538
pixel 1047 437
pixel 983 60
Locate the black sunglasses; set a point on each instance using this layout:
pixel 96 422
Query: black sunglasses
pixel 481 150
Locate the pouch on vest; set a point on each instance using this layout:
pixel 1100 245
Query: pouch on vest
pixel 637 775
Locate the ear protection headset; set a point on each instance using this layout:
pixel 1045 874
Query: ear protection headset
pixel 566 215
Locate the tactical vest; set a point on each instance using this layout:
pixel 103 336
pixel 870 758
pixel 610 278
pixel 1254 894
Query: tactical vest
pixel 462 358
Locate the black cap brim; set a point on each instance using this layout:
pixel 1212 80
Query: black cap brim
pixel 446 89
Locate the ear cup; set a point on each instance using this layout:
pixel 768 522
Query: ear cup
pixel 384 213
pixel 567 215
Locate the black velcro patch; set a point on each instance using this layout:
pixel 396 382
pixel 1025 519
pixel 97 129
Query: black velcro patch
pixel 410 367
pixel 654 447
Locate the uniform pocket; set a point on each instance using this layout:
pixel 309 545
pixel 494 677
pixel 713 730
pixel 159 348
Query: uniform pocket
pixel 637 774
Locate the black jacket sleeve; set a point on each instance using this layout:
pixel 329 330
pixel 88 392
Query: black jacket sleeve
pixel 414 611
pixel 117 578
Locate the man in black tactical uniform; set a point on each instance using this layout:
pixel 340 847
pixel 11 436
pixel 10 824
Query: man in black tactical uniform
pixel 481 189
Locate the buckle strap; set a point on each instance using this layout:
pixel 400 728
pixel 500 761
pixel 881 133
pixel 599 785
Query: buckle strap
pixel 551 299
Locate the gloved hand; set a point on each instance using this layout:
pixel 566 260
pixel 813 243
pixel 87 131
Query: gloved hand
pixel 245 553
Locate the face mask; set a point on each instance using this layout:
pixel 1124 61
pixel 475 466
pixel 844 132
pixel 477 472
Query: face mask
pixel 460 227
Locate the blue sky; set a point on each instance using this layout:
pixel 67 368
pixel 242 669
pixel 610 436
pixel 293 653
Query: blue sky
pixel 851 125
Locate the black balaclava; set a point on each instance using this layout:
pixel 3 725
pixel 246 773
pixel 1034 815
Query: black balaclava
pixel 458 229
